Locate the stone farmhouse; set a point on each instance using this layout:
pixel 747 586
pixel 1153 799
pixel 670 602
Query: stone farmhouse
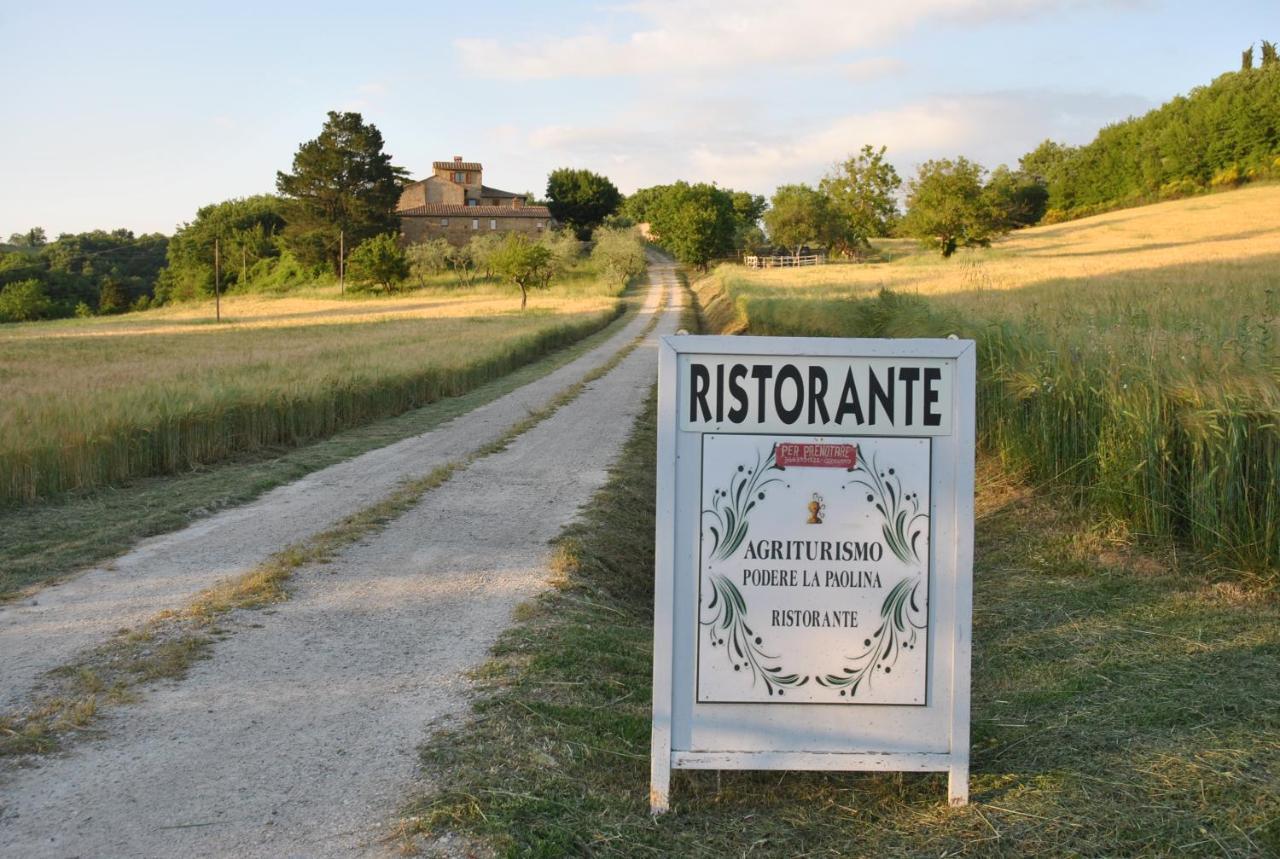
pixel 454 203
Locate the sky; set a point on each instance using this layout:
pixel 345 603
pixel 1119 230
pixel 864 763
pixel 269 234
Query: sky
pixel 134 115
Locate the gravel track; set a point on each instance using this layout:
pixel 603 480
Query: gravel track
pixel 298 736
pixel 164 572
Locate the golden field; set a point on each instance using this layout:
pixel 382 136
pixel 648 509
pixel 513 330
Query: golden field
pixel 1135 354
pixel 98 401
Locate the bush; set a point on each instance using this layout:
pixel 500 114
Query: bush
pixel 564 246
pixel 112 297
pixel 1172 190
pixel 24 301
pixel 283 272
pixel 428 258
pixel 379 260
pixel 1228 177
pixel 481 249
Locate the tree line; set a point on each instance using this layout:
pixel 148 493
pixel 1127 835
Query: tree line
pixel 78 274
pixel 336 206
pixel 1217 136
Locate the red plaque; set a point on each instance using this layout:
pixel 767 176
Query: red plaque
pixel 816 455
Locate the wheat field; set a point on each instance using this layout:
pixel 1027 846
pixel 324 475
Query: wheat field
pixel 1135 354
pixel 89 402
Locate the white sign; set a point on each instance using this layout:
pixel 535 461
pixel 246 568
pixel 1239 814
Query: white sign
pixel 814 575
pixel 814 556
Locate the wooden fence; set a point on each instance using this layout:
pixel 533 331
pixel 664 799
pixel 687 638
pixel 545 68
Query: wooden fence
pixel 787 261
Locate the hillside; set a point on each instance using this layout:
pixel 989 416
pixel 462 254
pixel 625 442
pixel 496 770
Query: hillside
pixel 1218 135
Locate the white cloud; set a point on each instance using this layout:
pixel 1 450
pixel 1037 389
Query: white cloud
pixel 874 67
pixel 990 128
pixel 710 35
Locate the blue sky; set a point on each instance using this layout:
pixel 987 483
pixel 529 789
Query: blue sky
pixel 135 114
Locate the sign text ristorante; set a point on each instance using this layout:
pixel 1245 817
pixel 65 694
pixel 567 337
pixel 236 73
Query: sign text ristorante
pixel 834 395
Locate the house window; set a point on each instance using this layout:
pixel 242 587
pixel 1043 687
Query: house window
pixel 475 223
pixel 460 177
pixel 539 224
pixel 472 202
pixel 493 223
pixel 444 222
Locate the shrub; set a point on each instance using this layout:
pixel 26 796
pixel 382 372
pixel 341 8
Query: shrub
pixel 379 260
pixel 1228 177
pixel 1178 188
pixel 482 248
pixel 428 258
pixel 283 272
pixel 112 297
pixel 24 301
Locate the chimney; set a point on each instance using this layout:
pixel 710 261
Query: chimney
pixel 457 159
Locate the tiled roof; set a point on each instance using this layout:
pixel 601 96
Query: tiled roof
pixel 446 210
pixel 486 191
pixel 457 165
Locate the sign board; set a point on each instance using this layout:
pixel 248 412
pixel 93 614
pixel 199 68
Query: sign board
pixel 813 582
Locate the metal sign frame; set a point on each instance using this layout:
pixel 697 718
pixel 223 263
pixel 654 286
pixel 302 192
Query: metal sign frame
pixel 687 734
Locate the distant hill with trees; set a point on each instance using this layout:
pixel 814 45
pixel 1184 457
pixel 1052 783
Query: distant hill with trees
pixel 1216 136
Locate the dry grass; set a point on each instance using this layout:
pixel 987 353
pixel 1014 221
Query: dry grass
pixel 100 401
pixel 1114 249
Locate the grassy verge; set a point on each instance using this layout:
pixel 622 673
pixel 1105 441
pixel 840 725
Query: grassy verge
pixel 167 645
pixel 1124 704
pixel 46 541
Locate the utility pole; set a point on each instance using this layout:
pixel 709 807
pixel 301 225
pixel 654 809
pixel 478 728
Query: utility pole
pixel 244 266
pixel 342 262
pixel 217 277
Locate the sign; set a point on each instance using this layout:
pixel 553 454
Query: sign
pixel 814 556
pixel 816 455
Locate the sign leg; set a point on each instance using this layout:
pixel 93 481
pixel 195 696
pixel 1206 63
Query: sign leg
pixel 958 785
pixel 660 789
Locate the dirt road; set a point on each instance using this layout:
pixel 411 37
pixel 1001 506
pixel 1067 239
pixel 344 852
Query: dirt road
pixel 297 737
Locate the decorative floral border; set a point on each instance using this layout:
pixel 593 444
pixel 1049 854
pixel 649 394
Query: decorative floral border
pixel 897 632
pixel 728 629
pixel 731 508
pixel 902 526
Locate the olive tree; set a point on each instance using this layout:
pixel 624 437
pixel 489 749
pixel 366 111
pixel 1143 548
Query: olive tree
pixel 523 263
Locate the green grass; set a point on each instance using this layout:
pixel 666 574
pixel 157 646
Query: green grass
pixel 76 530
pixel 1123 704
